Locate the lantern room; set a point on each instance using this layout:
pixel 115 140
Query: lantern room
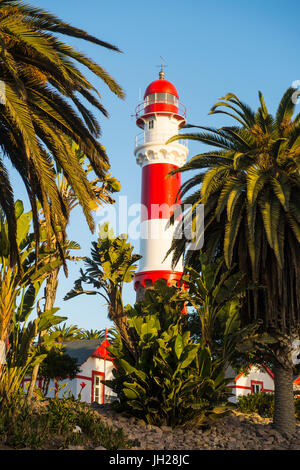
pixel 160 98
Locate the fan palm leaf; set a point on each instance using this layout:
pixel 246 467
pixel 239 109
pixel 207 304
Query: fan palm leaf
pixel 251 193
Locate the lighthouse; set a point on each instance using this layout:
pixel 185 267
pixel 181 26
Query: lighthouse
pixel 160 116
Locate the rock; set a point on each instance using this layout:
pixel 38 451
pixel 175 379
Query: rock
pixel 141 422
pixel 132 420
pixel 71 447
pixel 154 429
pixel 100 448
pixel 236 431
pixel 77 429
pixel 166 428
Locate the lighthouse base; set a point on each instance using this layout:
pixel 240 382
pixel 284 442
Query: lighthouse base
pixel 146 279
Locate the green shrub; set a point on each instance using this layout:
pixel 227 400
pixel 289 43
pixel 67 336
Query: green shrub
pixel 52 422
pixel 261 403
pixel 171 380
pixel 66 413
pixel 297 407
pixel 20 424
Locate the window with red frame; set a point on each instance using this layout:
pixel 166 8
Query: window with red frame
pixel 256 387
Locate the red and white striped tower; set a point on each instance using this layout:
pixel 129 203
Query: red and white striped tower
pixel 160 116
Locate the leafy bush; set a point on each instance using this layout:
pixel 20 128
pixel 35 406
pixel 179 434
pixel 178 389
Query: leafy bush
pixel 170 380
pixel 57 364
pixel 261 403
pixel 52 423
pixel 297 407
pixel 20 424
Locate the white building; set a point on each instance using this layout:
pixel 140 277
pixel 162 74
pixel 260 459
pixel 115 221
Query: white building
pixel 254 379
pixel 96 365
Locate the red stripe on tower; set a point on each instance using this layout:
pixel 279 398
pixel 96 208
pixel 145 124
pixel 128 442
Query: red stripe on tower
pixel 159 191
pixel 160 116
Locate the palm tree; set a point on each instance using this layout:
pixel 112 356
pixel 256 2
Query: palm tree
pixel 93 334
pixel 250 187
pixel 67 333
pixel 61 248
pixel 41 106
pixel 109 334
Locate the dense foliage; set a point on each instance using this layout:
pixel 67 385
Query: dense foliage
pixel 57 365
pixel 261 403
pixel 112 264
pixel 249 184
pixel 52 425
pixel 172 380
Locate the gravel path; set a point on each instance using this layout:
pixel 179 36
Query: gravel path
pixel 236 431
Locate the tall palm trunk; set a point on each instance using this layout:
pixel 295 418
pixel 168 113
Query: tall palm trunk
pixel 284 413
pixel 50 295
pixel 7 306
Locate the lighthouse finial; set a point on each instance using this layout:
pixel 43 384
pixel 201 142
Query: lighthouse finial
pixel 161 72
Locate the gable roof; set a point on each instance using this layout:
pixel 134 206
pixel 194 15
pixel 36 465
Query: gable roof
pixel 251 365
pixel 102 352
pixel 230 373
pixel 82 349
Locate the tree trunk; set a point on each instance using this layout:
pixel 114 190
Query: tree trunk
pixel 117 315
pixel 50 295
pixel 284 413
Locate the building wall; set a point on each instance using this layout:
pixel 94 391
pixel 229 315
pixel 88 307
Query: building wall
pixel 243 385
pixel 85 376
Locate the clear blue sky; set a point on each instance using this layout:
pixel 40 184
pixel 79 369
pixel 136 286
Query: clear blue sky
pixel 210 48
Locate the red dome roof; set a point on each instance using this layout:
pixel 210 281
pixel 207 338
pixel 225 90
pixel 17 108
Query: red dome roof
pixel 161 86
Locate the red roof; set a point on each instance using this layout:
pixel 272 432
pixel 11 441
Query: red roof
pixel 101 352
pixel 161 86
pixel 249 367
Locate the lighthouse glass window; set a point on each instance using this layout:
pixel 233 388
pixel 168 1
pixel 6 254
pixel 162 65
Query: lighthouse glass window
pixel 161 98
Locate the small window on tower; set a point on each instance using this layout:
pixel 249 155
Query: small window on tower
pixel 151 124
